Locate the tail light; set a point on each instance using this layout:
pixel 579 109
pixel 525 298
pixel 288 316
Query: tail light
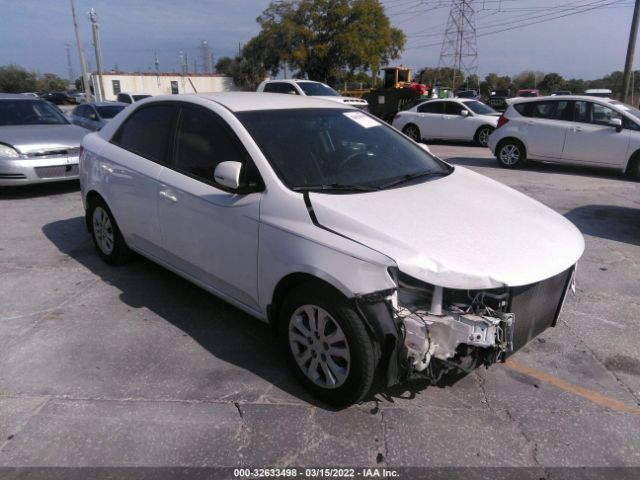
pixel 502 121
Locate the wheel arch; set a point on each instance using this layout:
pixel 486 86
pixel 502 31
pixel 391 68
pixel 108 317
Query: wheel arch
pixel 631 162
pixel 512 138
pixel 291 281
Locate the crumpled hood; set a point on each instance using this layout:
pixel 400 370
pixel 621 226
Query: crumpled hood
pixel 29 138
pixel 462 231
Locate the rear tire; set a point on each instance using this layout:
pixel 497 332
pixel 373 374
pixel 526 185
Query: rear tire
pixel 413 132
pixel 633 171
pixel 106 235
pixel 326 344
pixel 482 135
pixel 511 153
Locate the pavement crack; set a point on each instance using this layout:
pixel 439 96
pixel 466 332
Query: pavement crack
pixel 242 436
pixel 382 456
pixel 23 425
pixel 483 391
pixel 529 441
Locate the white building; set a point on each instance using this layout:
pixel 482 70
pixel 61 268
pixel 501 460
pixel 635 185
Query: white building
pixel 161 83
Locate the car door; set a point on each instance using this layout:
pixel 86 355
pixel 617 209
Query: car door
pixel 208 232
pixel 428 117
pixel 78 116
pixel 545 127
pixel 132 163
pixel 456 126
pixel 591 139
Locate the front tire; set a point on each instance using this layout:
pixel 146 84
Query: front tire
pixel 106 235
pixel 511 153
pixel 413 132
pixel 326 344
pixel 482 135
pixel 634 167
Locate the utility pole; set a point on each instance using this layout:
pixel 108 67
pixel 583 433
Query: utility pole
pixel 459 50
pixel 100 94
pixel 83 65
pixel 206 58
pixel 628 64
pixel 69 66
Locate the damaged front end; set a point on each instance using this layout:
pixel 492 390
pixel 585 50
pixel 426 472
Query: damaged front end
pixel 442 329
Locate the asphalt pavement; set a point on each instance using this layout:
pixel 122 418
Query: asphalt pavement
pixel 135 367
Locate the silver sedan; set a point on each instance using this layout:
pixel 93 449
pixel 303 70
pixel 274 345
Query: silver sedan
pixel 37 142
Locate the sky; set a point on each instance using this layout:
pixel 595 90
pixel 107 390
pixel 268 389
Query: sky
pixel 588 39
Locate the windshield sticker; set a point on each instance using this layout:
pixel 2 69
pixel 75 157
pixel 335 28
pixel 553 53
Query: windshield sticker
pixel 362 119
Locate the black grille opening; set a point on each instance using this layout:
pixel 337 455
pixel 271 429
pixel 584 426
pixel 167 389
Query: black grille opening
pixel 537 306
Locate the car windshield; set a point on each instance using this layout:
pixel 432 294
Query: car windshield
pixel 313 89
pixel 109 111
pixel 338 150
pixel 627 108
pixel 139 97
pixel 480 108
pixel 29 112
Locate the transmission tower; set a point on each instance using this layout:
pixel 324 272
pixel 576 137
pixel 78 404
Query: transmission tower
pixel 207 66
pixel 459 50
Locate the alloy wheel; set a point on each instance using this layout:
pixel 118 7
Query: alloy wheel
pixel 319 346
pixel 103 230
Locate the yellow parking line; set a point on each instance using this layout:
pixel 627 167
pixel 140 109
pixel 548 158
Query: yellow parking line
pixel 590 395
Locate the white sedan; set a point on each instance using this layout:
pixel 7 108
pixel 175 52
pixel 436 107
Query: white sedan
pixel 448 119
pixel 370 257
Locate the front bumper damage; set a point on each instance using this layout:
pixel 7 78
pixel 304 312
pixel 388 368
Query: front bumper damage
pixel 429 330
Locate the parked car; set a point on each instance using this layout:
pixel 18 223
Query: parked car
pixel 528 92
pixel 448 119
pixel 94 116
pixel 80 97
pixel 598 92
pixel 369 256
pixel 573 129
pixel 308 88
pixel 57 98
pixel 131 97
pixel 560 92
pixel 499 99
pixel 472 94
pixel 37 142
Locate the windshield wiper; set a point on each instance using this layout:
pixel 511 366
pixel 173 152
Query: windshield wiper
pixel 334 187
pixel 412 176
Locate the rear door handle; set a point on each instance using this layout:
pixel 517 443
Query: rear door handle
pixel 106 168
pixel 167 195
pixel 576 129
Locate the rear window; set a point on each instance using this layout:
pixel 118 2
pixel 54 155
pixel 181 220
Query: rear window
pixel 109 111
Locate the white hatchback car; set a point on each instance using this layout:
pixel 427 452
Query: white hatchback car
pixel 448 119
pixel 372 258
pixel 579 130
pixel 309 88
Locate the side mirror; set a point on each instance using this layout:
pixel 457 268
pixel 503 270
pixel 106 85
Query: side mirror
pixel 227 174
pixel 617 123
pixel 425 147
pixel 464 113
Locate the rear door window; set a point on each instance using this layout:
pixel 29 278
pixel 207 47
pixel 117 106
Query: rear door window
pixel 431 107
pixel 147 132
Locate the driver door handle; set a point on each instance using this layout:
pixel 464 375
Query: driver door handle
pixel 167 195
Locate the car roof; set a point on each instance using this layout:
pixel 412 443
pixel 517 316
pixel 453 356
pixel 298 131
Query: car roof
pixel 251 101
pixel 16 96
pixel 587 98
pixel 292 80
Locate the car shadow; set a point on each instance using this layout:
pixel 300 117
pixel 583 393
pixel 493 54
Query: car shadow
pixel 610 222
pixel 212 323
pixel 39 190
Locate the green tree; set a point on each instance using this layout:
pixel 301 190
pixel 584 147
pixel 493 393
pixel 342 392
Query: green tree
pixel 225 65
pixel 320 39
pixel 552 82
pixel 50 82
pixel 15 79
